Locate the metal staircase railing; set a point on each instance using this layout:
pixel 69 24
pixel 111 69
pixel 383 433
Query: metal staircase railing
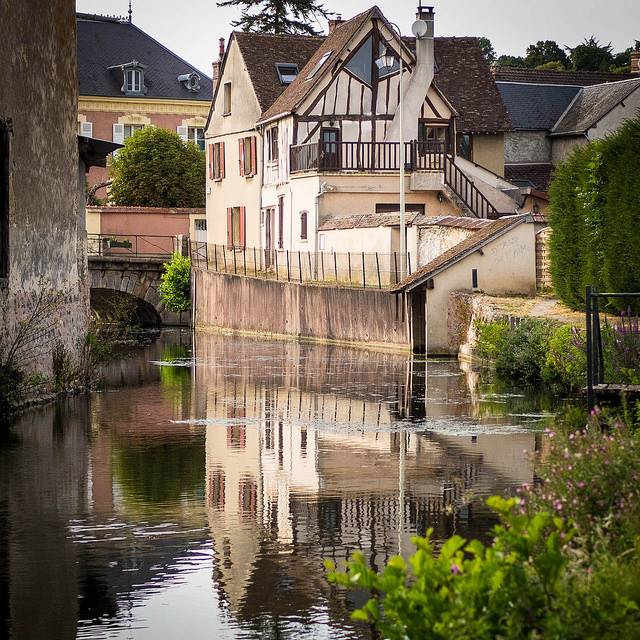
pixel 469 194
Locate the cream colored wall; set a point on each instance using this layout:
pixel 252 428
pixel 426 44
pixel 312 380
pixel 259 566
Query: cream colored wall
pixel 488 152
pixel 629 108
pixel 561 147
pixel 434 240
pixel 234 190
pixel 93 221
pixel 506 266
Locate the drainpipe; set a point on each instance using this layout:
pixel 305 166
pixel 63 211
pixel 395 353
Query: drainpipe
pixel 321 192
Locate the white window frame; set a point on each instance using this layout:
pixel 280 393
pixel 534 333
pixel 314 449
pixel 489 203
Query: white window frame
pixel 133 80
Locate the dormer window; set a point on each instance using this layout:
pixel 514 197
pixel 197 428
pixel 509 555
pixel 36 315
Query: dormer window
pixel 287 73
pixel 133 80
pixel 319 64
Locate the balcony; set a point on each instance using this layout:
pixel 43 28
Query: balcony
pixel 367 157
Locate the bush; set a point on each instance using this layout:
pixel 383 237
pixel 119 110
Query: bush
pixel 566 361
pixel 526 584
pixel 157 169
pixel 490 337
pixel 175 290
pixel 621 347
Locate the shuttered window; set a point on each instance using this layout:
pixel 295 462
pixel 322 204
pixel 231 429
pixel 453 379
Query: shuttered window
pixel 236 227
pixel 303 225
pixel 281 222
pixel 247 156
pixel 217 152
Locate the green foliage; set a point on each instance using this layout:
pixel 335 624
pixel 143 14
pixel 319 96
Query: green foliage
pixel 157 169
pixel 525 584
pixel 545 52
pixel 590 55
pixel 487 49
pixel 510 61
pixel 278 16
pixel 565 361
pixel 175 289
pixel 490 337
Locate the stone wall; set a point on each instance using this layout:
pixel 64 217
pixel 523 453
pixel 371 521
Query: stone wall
pixel 368 317
pixel 527 147
pixel 47 240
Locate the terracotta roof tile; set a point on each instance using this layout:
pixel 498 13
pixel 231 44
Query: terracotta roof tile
pixel 459 251
pixel 549 76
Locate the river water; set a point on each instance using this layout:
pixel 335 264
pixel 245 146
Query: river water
pixel 197 494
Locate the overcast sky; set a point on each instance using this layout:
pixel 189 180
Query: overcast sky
pixel 191 28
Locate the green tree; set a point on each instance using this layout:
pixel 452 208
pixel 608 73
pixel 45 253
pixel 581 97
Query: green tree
pixel 543 52
pixel 157 169
pixel 278 16
pixel 510 61
pixel 175 289
pixel 590 55
pixel 488 50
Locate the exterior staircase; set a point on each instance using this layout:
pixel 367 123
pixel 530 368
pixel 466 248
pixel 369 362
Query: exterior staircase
pixel 465 193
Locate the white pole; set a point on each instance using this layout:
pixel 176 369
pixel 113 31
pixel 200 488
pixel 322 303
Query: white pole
pixel 403 231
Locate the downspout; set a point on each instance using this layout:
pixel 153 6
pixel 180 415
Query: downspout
pixel 316 248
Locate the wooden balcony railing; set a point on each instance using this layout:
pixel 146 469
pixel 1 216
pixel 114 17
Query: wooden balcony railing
pixel 367 156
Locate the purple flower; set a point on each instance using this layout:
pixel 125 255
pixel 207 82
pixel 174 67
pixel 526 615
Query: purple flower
pixel 455 569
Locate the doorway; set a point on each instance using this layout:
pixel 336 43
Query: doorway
pixel 330 148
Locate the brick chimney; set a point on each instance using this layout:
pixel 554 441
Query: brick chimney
pixel 635 62
pixel 336 22
pixel 216 64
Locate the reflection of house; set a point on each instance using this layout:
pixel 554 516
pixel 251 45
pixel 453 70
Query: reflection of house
pixel 128 81
pixel 552 112
pixel 305 131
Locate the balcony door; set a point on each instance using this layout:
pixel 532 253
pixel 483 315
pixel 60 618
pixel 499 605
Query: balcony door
pixel 329 148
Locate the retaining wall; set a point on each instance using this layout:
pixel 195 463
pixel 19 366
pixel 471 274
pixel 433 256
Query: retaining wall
pixel 368 317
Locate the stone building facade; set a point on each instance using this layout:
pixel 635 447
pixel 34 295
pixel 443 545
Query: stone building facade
pixel 42 229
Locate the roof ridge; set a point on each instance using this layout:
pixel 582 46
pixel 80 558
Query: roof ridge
pixel 278 35
pixel 98 17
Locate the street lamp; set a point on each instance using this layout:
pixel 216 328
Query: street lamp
pixel 387 60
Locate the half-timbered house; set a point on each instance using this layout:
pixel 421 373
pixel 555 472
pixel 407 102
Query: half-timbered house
pixel 303 130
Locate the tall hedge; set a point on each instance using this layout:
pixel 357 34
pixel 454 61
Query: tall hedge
pixel 595 217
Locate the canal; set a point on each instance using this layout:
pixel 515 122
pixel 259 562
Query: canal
pixel 197 493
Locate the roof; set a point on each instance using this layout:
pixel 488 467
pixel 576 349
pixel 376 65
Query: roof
pixel 463 75
pixel 456 222
pixel 368 221
pixel 94 152
pixel 536 175
pixel 333 44
pixel 107 42
pixel 592 104
pixel 549 76
pixel 459 251
pixel 536 107
pixel 262 51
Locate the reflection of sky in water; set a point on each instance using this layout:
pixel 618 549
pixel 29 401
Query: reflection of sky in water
pixel 199 495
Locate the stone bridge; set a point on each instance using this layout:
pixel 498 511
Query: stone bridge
pixel 128 285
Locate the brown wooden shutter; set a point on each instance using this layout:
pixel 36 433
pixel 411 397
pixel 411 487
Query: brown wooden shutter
pixel 254 157
pixel 211 162
pixel 230 228
pixel 241 155
pixel 281 222
pixel 303 225
pixel 222 159
pixel 243 227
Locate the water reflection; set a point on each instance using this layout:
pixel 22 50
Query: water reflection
pixel 204 494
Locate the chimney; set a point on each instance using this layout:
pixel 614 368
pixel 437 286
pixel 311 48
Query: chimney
pixel 334 24
pixel 416 87
pixel 635 62
pixel 216 65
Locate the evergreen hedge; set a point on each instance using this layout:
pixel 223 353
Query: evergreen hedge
pixel 595 217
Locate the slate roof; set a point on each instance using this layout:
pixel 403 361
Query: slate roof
pixel 592 104
pixel 548 76
pixel 462 75
pixel 536 107
pixel 536 176
pixel 460 251
pixel 262 51
pixel 105 42
pixel 368 221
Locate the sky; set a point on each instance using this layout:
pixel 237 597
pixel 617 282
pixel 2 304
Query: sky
pixel 191 28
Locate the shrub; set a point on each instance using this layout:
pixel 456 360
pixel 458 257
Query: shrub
pixel 565 361
pixel 490 338
pixel 525 584
pixel 621 347
pixel 175 289
pixel 157 169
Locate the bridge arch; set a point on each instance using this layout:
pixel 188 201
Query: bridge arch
pixel 109 305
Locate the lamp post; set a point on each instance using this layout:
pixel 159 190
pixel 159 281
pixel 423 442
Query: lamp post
pixel 387 60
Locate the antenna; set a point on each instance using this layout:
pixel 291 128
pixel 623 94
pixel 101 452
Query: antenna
pixel 130 11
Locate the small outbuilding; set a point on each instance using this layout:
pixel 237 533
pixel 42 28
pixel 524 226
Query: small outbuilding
pixel 499 259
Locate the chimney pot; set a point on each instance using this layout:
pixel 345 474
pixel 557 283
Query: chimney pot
pixel 220 48
pixel 334 23
pixel 635 62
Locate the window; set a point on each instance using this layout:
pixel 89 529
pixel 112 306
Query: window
pixel 431 133
pixel 196 135
pixel 474 278
pixel 200 227
pixel 226 104
pixel 85 129
pixel 303 225
pixel 133 81
pixel 319 64
pixel 216 161
pixel 280 222
pixel 272 144
pixel 384 207
pixel 388 71
pixel 236 218
pixel 287 72
pixel 131 129
pixel 247 156
pixel 5 172
pixel 360 63
pixel 465 146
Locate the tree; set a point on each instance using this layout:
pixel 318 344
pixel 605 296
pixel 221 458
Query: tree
pixel 157 169
pixel 590 55
pixel 488 50
pixel 278 16
pixel 510 61
pixel 543 52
